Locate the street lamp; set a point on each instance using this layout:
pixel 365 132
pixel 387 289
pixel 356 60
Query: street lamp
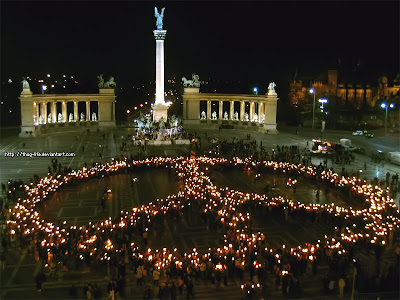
pixel 312 91
pixel 386 106
pixel 255 90
pixel 322 101
pixel 44 87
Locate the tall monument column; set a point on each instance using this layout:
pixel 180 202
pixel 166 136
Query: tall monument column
pixel 160 109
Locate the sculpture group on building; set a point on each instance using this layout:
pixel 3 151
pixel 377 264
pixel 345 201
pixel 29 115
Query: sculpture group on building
pixel 194 82
pixel 106 84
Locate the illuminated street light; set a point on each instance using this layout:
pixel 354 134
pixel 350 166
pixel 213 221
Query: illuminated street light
pixel 312 91
pixel 385 106
pixel 128 111
pixel 44 87
pixel 322 101
pixel 255 90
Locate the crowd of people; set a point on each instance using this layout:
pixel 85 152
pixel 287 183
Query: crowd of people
pixel 122 242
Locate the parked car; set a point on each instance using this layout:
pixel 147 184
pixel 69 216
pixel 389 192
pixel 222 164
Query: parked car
pixel 369 135
pixel 378 155
pixel 358 132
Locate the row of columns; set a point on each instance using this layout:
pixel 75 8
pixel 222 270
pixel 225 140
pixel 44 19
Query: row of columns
pixel 232 108
pixel 53 109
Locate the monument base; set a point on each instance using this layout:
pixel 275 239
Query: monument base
pixel 27 131
pixel 160 111
pixel 106 123
pixel 268 128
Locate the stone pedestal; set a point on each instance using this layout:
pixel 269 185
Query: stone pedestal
pixel 160 111
pixel 27 113
pixel 191 90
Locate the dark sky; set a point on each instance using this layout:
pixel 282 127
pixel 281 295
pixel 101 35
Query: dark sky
pixel 257 41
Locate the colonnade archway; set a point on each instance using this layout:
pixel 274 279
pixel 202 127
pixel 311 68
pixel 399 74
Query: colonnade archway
pixel 40 112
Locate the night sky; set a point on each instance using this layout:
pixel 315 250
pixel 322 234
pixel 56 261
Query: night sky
pixel 254 41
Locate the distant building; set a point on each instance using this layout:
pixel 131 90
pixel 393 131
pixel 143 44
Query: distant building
pixel 351 94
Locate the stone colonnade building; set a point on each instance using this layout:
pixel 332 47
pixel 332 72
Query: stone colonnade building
pixel 253 112
pixel 45 111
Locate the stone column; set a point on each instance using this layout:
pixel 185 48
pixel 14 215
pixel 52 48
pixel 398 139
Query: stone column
pixel 270 114
pixel 37 111
pixel 64 111
pixel 87 110
pixel 184 109
pixel 221 110
pixel 45 112
pixel 242 107
pixel 251 116
pixel 54 112
pixel 76 116
pixel 260 111
pixel 159 107
pixel 232 110
pixel 208 109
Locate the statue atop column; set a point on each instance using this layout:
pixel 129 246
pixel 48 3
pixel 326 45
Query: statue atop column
pixel 271 89
pixel 25 84
pixel 159 22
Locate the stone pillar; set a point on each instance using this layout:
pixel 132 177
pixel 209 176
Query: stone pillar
pixel 209 110
pixel 64 111
pixel 242 107
pixel 43 112
pixel 106 108
pixel 270 106
pixel 54 112
pixel 160 110
pixel 87 110
pixel 232 110
pixel 251 116
pixel 260 111
pixel 29 108
pixel 184 114
pixel 37 112
pixel 76 116
pixel 221 110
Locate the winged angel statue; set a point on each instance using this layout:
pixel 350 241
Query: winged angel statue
pixel 159 17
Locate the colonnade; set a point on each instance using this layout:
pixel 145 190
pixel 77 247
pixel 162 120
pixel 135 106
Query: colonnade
pixel 41 114
pixel 256 111
pixel 42 109
pixel 233 110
